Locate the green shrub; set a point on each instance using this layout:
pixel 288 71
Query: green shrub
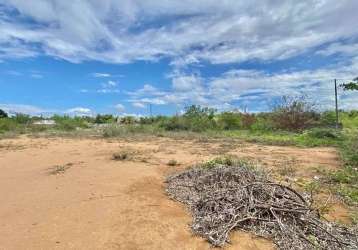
pixel 127 120
pixel 198 119
pixel 229 120
pixel 328 118
pixel 22 119
pixel 247 120
pixel 68 123
pixel 261 124
pixel 174 123
pixel 8 124
pixel 100 119
pixel 324 133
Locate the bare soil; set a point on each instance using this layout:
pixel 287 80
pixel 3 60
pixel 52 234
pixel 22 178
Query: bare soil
pixel 62 193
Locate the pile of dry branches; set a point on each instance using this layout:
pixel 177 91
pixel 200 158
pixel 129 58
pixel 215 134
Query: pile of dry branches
pixel 236 196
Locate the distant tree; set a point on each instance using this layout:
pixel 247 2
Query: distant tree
pixel 353 85
pixel 3 114
pixel 104 119
pixel 196 111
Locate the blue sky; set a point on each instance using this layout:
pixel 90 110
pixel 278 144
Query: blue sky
pixel 84 57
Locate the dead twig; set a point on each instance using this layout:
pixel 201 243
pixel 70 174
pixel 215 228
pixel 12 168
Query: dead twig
pixel 224 198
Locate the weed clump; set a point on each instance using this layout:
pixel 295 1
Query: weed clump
pixel 59 169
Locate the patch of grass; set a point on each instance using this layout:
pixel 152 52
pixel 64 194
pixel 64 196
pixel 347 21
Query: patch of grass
pixel 172 163
pixel 116 130
pixel 345 180
pixel 354 217
pixel 324 133
pixel 349 193
pixel 347 175
pixel 287 170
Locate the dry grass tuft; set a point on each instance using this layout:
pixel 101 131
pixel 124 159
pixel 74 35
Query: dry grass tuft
pixel 59 169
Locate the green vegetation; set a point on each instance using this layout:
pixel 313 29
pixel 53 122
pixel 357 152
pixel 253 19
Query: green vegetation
pixel 293 122
pixel 226 160
pixel 353 85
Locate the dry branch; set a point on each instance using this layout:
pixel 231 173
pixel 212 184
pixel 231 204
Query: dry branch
pixel 237 196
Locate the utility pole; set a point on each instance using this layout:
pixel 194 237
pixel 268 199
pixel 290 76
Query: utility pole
pixel 336 98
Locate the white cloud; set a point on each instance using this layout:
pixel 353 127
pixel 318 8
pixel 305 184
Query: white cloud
pixel 79 111
pixel 147 89
pixel 108 91
pixel 193 33
pixel 111 83
pixel 139 105
pixel 101 75
pixel 23 109
pixel 254 87
pixel 185 31
pixel 120 108
pixel 109 87
pixel 339 48
pixel 186 83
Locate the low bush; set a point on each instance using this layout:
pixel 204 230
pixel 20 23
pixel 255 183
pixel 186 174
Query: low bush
pixel 174 123
pixel 10 125
pixel 101 119
pixel 324 133
pixel 67 123
pixel 328 118
pixel 294 114
pixel 229 120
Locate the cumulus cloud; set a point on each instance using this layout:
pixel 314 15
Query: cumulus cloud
pixel 79 111
pixel 108 87
pixel 255 88
pixel 193 33
pixel 185 31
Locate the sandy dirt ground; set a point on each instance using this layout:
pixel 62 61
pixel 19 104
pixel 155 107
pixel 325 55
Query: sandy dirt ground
pixel 60 193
